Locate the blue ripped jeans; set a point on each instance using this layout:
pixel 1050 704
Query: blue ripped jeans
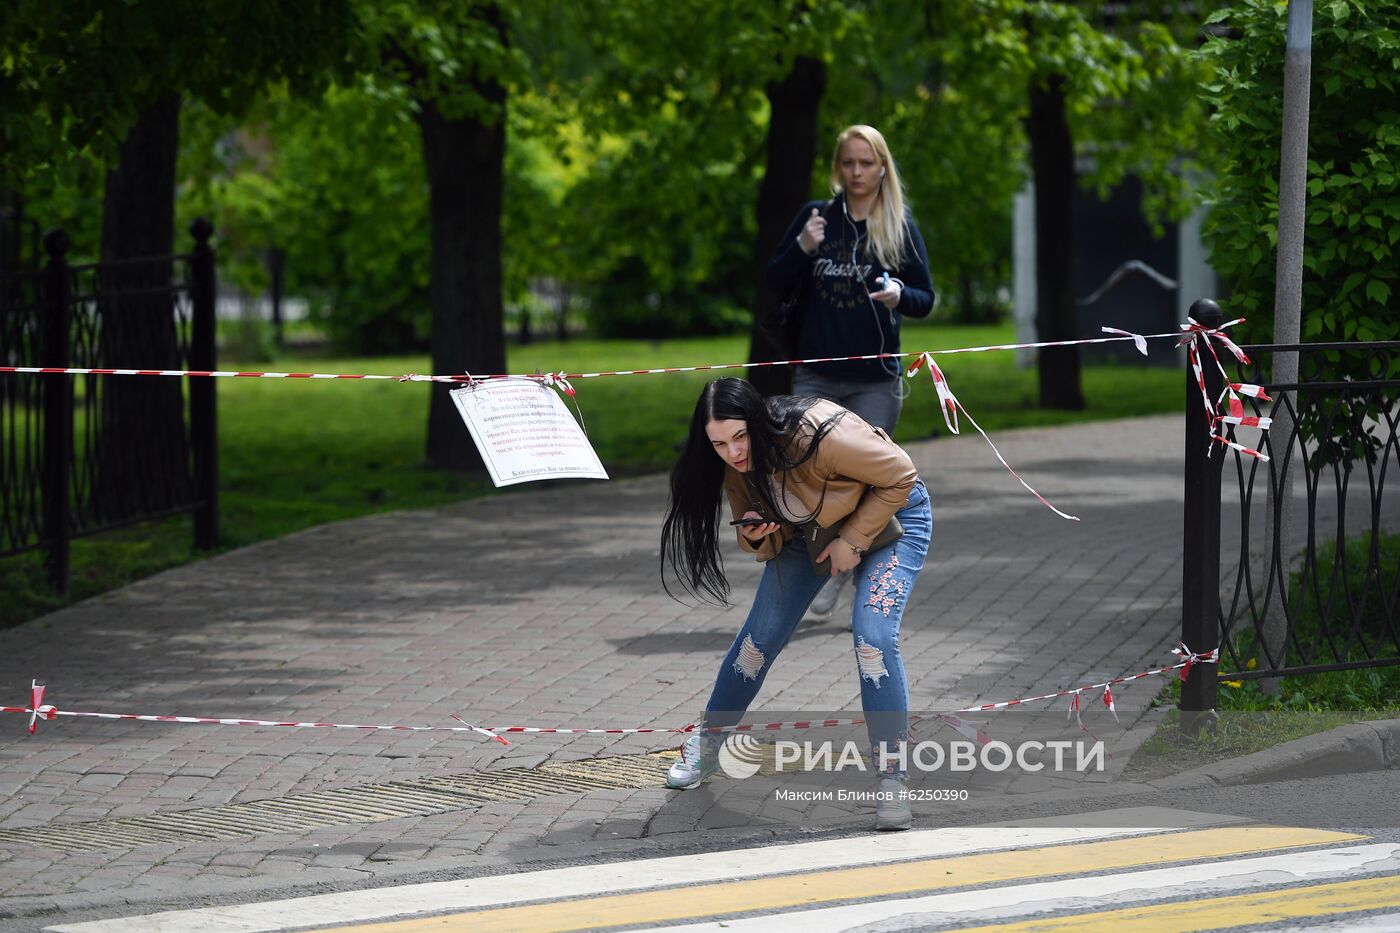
pixel 884 580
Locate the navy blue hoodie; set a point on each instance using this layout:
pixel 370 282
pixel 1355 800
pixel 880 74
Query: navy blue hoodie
pixel 838 317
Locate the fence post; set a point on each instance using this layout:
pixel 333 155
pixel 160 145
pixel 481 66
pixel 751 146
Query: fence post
pixel 56 478
pixel 204 433
pixel 1200 574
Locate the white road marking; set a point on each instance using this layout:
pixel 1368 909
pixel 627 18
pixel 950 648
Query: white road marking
pixel 621 877
pixel 1094 893
pixel 1380 923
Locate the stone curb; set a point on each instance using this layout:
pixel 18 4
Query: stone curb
pixel 1349 749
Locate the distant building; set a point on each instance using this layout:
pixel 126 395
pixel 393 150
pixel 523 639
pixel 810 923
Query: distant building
pixel 1111 237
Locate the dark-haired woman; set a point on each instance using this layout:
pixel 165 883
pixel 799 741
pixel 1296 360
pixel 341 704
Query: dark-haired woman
pixel 790 464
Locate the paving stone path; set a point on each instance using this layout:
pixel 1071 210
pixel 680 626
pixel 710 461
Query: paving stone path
pixel 542 607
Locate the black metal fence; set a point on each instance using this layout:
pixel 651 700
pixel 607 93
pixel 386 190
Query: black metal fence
pixel 1294 566
pixel 81 454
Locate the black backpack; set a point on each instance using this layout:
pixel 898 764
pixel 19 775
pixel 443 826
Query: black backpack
pixel 782 325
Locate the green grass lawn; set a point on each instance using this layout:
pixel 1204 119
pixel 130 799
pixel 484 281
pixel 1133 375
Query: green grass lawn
pixel 297 453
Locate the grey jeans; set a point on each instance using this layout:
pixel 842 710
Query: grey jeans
pixel 877 402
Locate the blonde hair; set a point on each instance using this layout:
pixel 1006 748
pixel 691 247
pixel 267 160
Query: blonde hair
pixel 886 231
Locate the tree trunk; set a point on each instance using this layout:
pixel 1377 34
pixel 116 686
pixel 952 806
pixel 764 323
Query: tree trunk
pixel 143 462
pixel 795 103
pixel 1052 162
pixel 465 163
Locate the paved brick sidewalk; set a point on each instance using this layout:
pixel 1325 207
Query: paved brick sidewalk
pixel 542 607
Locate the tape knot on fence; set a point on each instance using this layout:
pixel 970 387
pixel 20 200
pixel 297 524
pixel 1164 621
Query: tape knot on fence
pixel 1195 336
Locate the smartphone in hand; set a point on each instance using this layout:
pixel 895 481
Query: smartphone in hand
pixel 749 521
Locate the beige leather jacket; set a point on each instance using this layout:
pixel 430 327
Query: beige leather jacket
pixel 863 473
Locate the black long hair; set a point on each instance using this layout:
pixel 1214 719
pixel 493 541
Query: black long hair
pixel 689 542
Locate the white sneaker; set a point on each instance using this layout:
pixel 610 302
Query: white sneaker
pixel 699 759
pixel 892 806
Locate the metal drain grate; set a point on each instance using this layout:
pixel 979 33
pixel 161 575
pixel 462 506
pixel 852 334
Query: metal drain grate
pixel 366 803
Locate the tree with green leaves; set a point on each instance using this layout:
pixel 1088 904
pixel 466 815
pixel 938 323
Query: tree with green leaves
pixel 108 77
pixel 686 90
pixel 1351 226
pixel 1351 273
pixel 1116 85
pixel 456 61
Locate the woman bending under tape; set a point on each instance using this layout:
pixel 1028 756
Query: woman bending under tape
pixel 812 488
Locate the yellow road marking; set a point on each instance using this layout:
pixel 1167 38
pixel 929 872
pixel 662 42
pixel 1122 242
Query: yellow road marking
pixel 1236 910
pixel 810 888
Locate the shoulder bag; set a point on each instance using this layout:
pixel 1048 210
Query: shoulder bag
pixel 817 538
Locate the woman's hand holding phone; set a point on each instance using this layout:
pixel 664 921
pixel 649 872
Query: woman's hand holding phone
pixel 889 291
pixel 754 527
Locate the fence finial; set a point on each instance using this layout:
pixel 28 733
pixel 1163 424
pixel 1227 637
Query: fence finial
pixel 201 229
pixel 57 244
pixel 1206 311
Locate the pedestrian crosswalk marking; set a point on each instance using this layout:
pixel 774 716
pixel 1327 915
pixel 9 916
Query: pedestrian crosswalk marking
pixel 621 876
pixel 1007 902
pixel 1221 913
pixel 811 888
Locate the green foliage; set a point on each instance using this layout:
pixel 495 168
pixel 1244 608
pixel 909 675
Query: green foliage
pixel 671 267
pixel 669 101
pixel 440 50
pixel 952 98
pixel 689 115
pixel 1351 266
pixel 636 137
pixel 74 75
pixel 338 184
pixel 1131 89
pixel 948 119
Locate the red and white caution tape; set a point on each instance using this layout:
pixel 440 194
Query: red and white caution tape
pixel 1191 659
pixel 49 712
pixel 1139 340
pixel 1231 403
pixel 39 710
pixel 37 707
pixel 562 378
pixel 1195 335
pixel 212 373
pixel 950 406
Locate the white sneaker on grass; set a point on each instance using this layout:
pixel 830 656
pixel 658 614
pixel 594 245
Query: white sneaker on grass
pixel 699 759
